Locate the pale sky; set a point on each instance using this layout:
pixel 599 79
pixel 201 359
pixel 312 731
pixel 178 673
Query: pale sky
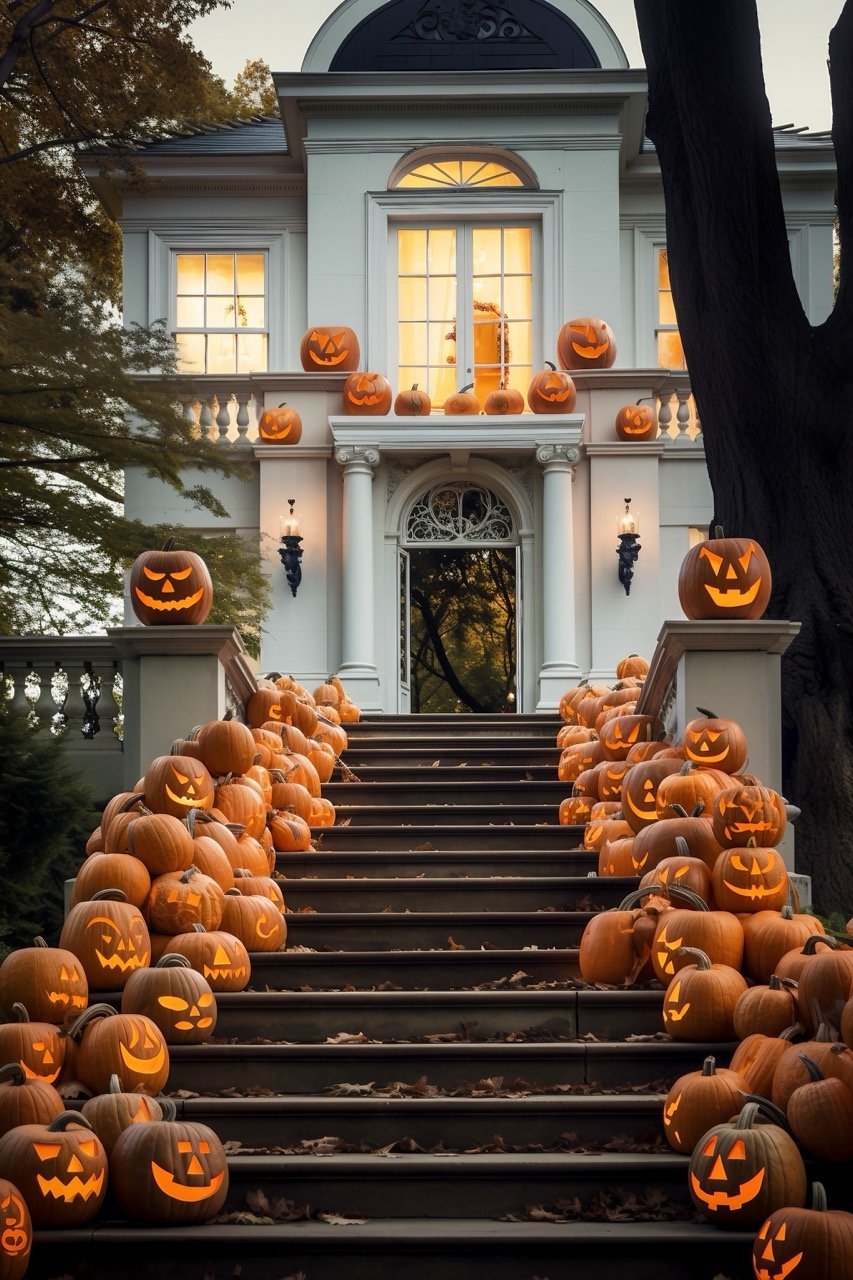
pixel 794 43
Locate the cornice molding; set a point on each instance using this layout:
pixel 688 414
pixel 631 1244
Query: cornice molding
pixel 400 146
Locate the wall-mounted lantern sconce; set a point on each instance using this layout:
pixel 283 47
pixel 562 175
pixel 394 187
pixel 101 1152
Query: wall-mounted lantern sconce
pixel 290 550
pixel 628 551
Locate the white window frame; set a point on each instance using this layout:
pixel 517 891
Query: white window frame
pixel 388 209
pixel 164 244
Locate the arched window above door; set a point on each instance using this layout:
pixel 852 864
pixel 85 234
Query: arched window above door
pixel 445 169
pixel 460 512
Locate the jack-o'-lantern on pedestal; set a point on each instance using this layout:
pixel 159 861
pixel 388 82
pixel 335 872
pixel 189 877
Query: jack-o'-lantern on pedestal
pixel 636 422
pixel 725 578
pixel 586 343
pixel 367 394
pixel 169 587
pixel 280 426
pixel 329 349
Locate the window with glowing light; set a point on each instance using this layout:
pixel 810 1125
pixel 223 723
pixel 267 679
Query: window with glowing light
pixel 465 306
pixel 460 173
pixel 670 352
pixel 221 323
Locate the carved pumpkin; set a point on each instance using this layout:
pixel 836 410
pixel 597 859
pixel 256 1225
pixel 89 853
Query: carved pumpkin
pixel 725 578
pixel 610 777
pixel 49 981
pixel 577 758
pixel 218 956
pixel 741 1171
pixel 37 1047
pixel 574 810
pixel 178 999
pixel 280 426
pixel 179 900
pixel 61 1169
pixel 504 401
pixel 682 871
pixel 16 1232
pixel 620 734
pixel 750 879
pixel 462 402
pixel 110 939
pixel 680 835
pixel 128 1045
pixel 551 391
pixel 810 1244
pixel 408 404
pixel 700 1001
pixel 173 1172
pixel 715 743
pixel 263 706
pixel 699 1100
pixel 112 1112
pixel 636 422
pixel 367 394
pixel 255 920
pixel 746 814
pixel 586 343
pixel 169 587
pixel 717 933
pixel 329 348
pixel 176 784
pixel 639 790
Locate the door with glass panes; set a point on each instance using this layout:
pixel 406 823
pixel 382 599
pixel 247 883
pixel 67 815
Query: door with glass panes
pixel 466 302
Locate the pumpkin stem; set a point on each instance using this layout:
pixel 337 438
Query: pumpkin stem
pixel 469 387
pixel 709 715
pixel 109 895
pixel 811 1066
pixel 20 1012
pixel 551 366
pixel 169 1108
pixel 810 945
pixel 709 1066
pixel 61 1122
pixel 754 1104
pixel 78 1026
pixel 171 960
pixel 791 1033
pixel 818 1198
pixel 39 941
pixel 703 960
pixel 718 531
pixel 15 1072
pixel 414 388
pixel 114 1085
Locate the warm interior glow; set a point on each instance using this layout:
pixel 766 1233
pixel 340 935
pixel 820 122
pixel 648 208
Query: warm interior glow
pixel 484 273
pixel 220 312
pixel 670 352
pixel 460 173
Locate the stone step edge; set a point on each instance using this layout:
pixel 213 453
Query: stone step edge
pixel 544 1103
pixel 597 1164
pixel 421 1053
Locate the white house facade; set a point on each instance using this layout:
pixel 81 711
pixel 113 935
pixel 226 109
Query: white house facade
pixel 453 180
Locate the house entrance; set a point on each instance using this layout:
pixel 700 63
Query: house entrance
pixel 459 603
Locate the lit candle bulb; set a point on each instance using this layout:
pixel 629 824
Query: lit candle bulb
pixel 289 524
pixel 629 521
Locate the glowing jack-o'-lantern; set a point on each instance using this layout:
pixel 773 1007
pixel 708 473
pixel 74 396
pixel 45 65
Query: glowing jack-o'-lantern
pixel 37 1047
pixel 48 981
pixel 750 879
pixel 639 790
pixel 130 1046
pixel 60 1168
pixel 109 937
pixel 586 343
pixel 169 587
pixel 330 348
pixel 16 1232
pixel 175 997
pixel 551 391
pixel 177 784
pixel 808 1243
pixel 112 1112
pixel 366 394
pixel 620 734
pixel 636 422
pixel 255 920
pixel 218 956
pixel 699 1100
pixel 717 933
pixel 171 1172
pixel 715 743
pixel 280 426
pixel 741 1171
pixel 699 1003
pixel 725 578
pixel 749 815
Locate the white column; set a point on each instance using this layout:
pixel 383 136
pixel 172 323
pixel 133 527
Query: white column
pixel 559 653
pixel 358 666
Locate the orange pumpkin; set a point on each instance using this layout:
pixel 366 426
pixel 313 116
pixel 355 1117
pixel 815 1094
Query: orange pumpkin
pixel 505 400
pixel 636 422
pixel 367 394
pixel 169 587
pixel 725 578
pixel 462 402
pixel 280 426
pixel 586 343
pixel 329 348
pixel 551 390
pixel 408 404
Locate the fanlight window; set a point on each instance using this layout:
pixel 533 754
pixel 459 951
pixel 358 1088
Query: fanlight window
pixel 460 173
pixel 459 513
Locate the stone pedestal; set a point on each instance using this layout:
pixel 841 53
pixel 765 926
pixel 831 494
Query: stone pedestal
pixel 176 678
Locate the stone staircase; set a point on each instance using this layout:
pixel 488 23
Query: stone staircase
pixel 419 1085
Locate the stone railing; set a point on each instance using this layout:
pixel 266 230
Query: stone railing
pixel 678 417
pixel 117 700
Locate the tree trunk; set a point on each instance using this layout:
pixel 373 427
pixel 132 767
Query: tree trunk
pixel 773 391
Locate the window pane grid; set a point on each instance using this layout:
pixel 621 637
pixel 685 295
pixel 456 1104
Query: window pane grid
pixel 670 352
pixel 426 307
pixel 220 312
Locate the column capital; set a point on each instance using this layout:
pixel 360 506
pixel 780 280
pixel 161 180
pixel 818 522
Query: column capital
pixel 558 457
pixel 352 457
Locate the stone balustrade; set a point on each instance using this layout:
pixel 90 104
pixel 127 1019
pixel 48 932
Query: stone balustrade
pixel 678 417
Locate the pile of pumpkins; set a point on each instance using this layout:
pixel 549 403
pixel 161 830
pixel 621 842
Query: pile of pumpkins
pixel 176 891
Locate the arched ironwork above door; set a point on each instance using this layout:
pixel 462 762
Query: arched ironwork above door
pixel 459 512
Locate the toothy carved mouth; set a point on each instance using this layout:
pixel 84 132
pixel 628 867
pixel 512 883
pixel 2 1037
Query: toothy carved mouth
pixel 722 1200
pixel 187 801
pixel 225 973
pixel 785 1270
pixel 732 598
pixel 169 605
pixel 759 891
pixel 75 1189
pixel 122 962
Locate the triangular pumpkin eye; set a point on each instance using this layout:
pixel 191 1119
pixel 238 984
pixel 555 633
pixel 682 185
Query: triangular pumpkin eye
pixel 716 562
pixel 747 557
pixel 710 1147
pixel 737 1151
pixel 782 1233
pixel 149 573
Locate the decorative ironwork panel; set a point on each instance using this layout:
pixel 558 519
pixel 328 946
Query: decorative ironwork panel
pixel 460 512
pixel 441 20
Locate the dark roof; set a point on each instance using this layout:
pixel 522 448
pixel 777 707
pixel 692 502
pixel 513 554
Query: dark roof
pixel 785 138
pixel 260 135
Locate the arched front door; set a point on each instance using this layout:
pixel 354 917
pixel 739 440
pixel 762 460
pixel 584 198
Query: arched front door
pixel 459 601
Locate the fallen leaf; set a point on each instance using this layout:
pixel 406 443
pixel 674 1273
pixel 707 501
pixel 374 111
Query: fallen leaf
pixel 456 946
pixel 337 1220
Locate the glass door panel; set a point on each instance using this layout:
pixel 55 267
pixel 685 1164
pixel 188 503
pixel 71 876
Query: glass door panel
pixel 427 288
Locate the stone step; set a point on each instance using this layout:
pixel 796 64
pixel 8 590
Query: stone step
pixel 450 753
pixel 466 1186
pixel 337 863
pixel 429 837
pixel 508 893
pixel 417 1248
pixel 309 1017
pixel 438 774
pixel 411 931
pixel 460 789
pixel 408 970
pixel 489 728
pixel 396 816
pixel 645 1066
pixel 463 1122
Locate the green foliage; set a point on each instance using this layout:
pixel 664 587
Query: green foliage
pixel 46 816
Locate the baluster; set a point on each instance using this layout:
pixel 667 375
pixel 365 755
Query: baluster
pixel 59 686
pixel 108 708
pixel 90 688
pixel 242 419
pixel 698 438
pixel 223 417
pixel 665 413
pixel 683 415
pixel 205 420
pixel 75 705
pixel 41 700
pixel 18 704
